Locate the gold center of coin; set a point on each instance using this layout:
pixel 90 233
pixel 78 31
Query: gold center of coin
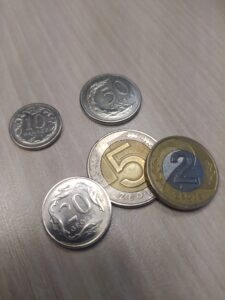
pixel 122 165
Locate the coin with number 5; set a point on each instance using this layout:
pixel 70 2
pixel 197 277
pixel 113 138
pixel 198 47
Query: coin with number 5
pixel 117 162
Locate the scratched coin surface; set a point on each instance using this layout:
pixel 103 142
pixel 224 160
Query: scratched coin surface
pixel 110 99
pixel 76 212
pixel 182 173
pixel 117 162
pixel 35 126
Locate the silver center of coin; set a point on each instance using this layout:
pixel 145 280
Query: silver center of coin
pixel 35 126
pixel 117 162
pixel 76 212
pixel 110 99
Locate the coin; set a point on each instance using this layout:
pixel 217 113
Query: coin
pixel 76 212
pixel 35 126
pixel 117 162
pixel 110 99
pixel 182 173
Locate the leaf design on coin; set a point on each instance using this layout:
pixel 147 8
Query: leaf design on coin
pixel 63 192
pixel 87 231
pixel 95 199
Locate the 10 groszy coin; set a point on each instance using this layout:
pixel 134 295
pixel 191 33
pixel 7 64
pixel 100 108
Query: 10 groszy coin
pixel 35 126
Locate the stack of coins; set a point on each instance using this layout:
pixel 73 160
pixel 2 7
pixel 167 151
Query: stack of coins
pixel 127 168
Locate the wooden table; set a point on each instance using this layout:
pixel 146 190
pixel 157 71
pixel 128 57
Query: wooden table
pixel 175 52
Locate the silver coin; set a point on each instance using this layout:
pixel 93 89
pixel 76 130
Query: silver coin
pixel 117 162
pixel 110 99
pixel 35 126
pixel 76 212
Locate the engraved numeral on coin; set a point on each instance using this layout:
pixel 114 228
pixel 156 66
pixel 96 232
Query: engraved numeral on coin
pixel 37 122
pixel 77 206
pixel 121 87
pixel 119 167
pixel 108 94
pixel 180 174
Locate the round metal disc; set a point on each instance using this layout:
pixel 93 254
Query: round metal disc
pixel 117 162
pixel 35 126
pixel 110 99
pixel 182 173
pixel 76 212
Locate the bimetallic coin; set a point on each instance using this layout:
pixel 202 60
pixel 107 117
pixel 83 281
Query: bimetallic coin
pixel 35 126
pixel 76 212
pixel 182 173
pixel 110 99
pixel 117 162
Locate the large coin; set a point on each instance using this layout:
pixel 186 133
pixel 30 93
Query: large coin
pixel 35 126
pixel 76 212
pixel 182 173
pixel 117 162
pixel 110 99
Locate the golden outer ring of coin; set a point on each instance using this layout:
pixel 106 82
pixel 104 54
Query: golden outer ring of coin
pixel 168 194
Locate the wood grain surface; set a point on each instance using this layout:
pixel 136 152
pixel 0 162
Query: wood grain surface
pixel 175 51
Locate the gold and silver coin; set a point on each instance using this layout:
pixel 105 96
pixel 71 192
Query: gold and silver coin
pixel 35 126
pixel 117 162
pixel 182 173
pixel 110 99
pixel 76 212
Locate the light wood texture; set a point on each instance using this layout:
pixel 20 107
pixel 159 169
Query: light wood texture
pixel 175 51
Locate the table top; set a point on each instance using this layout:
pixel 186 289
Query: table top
pixel 174 51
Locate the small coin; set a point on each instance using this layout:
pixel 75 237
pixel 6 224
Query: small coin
pixel 76 212
pixel 182 173
pixel 110 99
pixel 35 126
pixel 117 162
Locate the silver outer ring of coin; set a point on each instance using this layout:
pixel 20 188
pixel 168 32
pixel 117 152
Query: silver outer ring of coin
pixel 106 204
pixel 41 145
pixel 104 121
pixel 94 168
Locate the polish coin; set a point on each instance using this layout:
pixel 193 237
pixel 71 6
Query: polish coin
pixel 76 212
pixel 182 173
pixel 35 126
pixel 117 162
pixel 110 99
